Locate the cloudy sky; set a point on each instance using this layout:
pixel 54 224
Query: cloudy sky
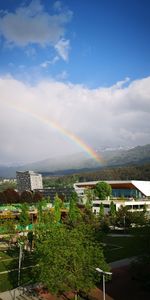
pixel 83 65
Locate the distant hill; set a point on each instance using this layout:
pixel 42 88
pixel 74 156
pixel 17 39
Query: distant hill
pixel 137 155
pixel 80 162
pixel 130 172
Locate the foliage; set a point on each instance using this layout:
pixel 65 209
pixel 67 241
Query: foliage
pixel 65 181
pixel 57 207
pixel 24 215
pixel 10 225
pixel 41 205
pixel 89 195
pixel 70 256
pixel 112 209
pixel 7 185
pixel 123 217
pixel 138 218
pixel 74 214
pixel 105 224
pixel 138 172
pixel 88 217
pixel 30 237
pixel 26 196
pixel 11 196
pixel 3 199
pixel 102 190
pixel 101 211
pixel 126 218
pixel 112 213
pixel 37 196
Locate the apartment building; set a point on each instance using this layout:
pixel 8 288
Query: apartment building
pixel 28 181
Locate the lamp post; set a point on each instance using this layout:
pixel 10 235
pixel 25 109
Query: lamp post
pixel 103 273
pixel 124 222
pixel 20 258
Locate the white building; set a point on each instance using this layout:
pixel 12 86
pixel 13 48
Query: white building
pixel 28 181
pixel 133 194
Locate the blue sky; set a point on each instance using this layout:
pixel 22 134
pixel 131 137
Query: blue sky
pixel 108 41
pixel 83 64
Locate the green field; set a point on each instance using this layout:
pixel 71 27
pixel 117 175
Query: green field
pixel 122 247
pixel 9 281
pixel 9 261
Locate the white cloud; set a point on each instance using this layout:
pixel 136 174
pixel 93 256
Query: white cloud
pixel 33 25
pixel 63 47
pixel 101 117
pixel 62 76
pixel 46 63
pixel 30 52
pixel 57 6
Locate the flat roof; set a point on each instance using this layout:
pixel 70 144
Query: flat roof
pixel 142 186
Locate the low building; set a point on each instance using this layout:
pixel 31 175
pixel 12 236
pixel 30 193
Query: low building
pixel 134 194
pixel 133 205
pixel 64 193
pixel 28 181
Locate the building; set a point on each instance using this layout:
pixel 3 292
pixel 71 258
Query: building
pixel 134 194
pixel 64 193
pixel 28 181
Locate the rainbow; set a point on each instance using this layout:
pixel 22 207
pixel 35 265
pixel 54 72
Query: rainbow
pixel 65 132
pixel 77 140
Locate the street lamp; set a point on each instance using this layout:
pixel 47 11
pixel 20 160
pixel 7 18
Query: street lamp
pixel 20 258
pixel 103 273
pixel 124 222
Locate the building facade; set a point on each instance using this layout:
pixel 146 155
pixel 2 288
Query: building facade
pixel 134 194
pixel 64 193
pixel 28 181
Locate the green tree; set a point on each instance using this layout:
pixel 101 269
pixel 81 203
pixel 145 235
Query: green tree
pixel 67 259
pixel 112 213
pixel 88 217
pixel 24 219
pixel 9 225
pixel 74 214
pixel 26 196
pixel 138 218
pixel 123 217
pixel 101 211
pixel 57 209
pixel 37 196
pixel 105 224
pixel 144 209
pixel 3 199
pixel 89 195
pixel 103 190
pixel 41 209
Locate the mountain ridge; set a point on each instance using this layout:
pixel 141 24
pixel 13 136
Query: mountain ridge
pixel 80 162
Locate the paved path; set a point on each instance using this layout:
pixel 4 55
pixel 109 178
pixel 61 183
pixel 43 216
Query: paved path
pixel 122 262
pixel 120 235
pixel 11 295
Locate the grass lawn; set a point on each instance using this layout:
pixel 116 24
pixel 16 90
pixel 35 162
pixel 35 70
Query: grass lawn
pixel 127 247
pixel 12 263
pixel 4 255
pixel 9 281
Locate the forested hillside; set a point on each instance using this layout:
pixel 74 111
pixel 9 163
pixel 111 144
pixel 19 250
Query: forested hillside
pixel 139 172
